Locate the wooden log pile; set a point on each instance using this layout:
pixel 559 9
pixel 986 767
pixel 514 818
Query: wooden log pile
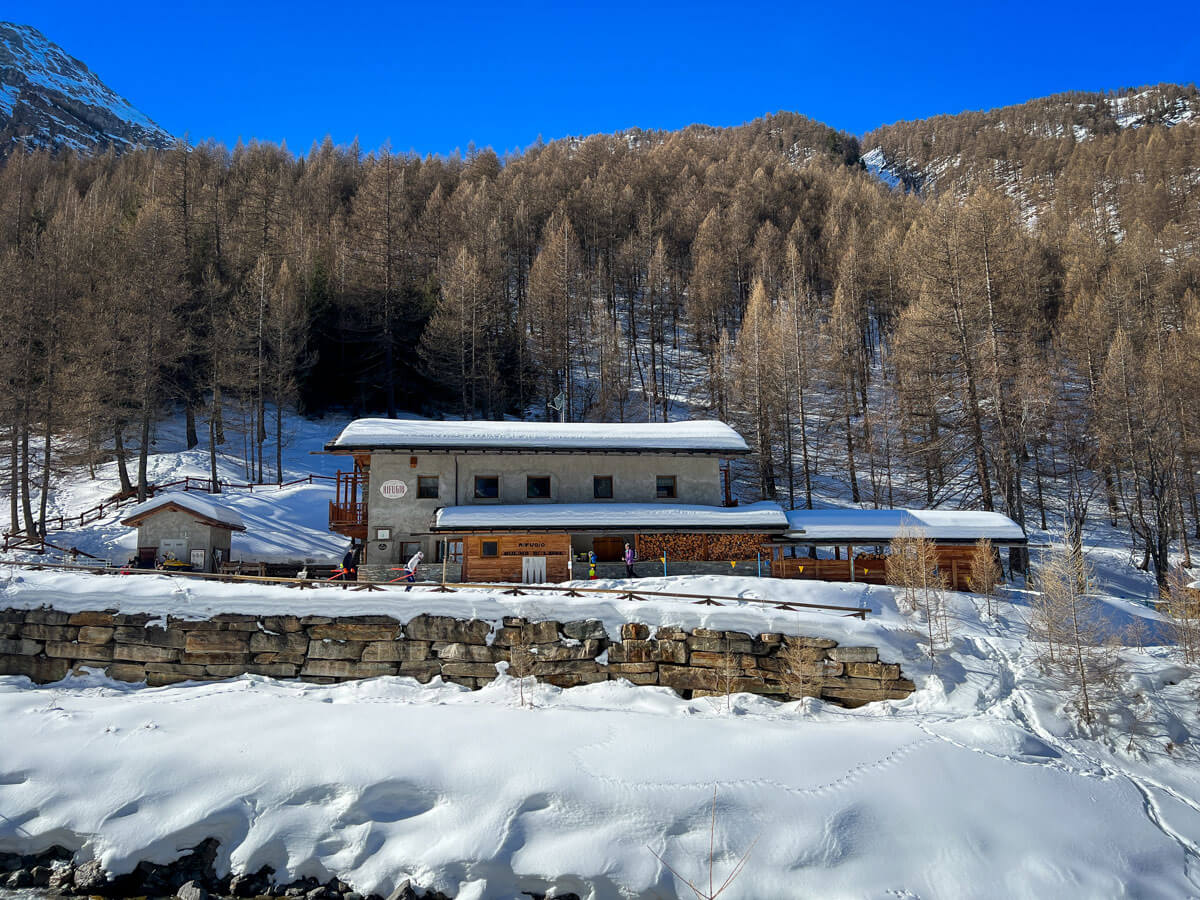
pixel 702 547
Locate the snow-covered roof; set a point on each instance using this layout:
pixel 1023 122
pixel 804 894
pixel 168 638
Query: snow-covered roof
pixel 197 504
pixel 694 436
pixel 874 525
pixel 765 517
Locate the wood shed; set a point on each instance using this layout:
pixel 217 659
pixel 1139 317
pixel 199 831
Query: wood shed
pixel 190 531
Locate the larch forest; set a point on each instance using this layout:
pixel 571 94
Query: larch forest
pixel 1015 327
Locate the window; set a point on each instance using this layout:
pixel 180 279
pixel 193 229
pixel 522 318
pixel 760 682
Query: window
pixel 537 487
pixel 427 487
pixel 489 548
pixel 664 487
pixel 602 487
pixel 408 549
pixel 487 487
pixel 450 551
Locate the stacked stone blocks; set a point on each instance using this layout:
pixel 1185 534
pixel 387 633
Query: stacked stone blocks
pixel 47 644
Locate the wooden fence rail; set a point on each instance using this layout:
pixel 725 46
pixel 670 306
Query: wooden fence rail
pixel 188 482
pixel 629 593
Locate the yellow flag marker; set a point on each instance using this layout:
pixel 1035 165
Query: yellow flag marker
pixel 802 568
pixel 732 564
pixel 663 560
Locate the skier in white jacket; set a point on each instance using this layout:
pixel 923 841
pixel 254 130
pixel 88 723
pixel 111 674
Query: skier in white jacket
pixel 412 568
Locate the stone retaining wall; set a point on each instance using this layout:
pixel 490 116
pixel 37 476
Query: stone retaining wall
pixel 46 644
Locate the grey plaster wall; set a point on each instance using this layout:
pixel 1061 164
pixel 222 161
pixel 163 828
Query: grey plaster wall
pixel 697 480
pixel 171 524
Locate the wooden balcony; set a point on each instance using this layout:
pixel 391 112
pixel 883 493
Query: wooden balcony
pixel 348 511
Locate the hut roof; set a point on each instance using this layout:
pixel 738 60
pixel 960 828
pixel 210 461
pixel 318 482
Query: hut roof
pixel 694 436
pixel 199 506
pixel 873 526
pixel 756 517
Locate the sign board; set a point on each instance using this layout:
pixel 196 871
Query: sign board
pixel 199 559
pixel 394 489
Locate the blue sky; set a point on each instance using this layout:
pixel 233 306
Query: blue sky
pixel 434 78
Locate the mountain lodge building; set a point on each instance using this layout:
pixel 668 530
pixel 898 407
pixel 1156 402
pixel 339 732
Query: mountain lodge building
pixel 521 501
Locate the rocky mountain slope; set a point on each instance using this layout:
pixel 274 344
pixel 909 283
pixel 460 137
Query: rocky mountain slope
pixel 50 99
pixel 1029 141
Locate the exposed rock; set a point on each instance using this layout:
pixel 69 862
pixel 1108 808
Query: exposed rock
pixel 697 662
pixel 396 651
pixel 344 668
pixel 72 650
pixel 37 668
pixel 854 654
pixel 191 891
pixel 46 616
pixel 447 629
pixel 144 653
pixel 467 653
pixel 49 632
pixel 403 891
pixel 289 642
pixel 155 637
pixel 89 878
pixel 19 647
pixel 217 642
pixel 245 885
pixel 634 631
pixel 56 102
pixel 344 631
pixel 585 630
pixel 335 649
pixel 91 618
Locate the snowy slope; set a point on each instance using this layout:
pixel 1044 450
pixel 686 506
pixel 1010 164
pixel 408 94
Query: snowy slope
pixel 877 165
pixel 50 99
pixel 977 785
pixel 289 524
pixel 1166 105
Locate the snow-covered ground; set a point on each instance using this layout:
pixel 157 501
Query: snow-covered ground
pixel 979 784
pixel 282 524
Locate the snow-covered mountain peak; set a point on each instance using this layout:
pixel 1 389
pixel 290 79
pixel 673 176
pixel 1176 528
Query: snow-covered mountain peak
pixel 50 99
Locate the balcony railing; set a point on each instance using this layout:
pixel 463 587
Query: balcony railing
pixel 348 511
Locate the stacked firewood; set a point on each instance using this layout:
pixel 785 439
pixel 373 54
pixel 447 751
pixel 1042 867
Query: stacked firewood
pixel 702 547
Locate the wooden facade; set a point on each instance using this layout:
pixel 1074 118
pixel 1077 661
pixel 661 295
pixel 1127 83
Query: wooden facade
pixel 500 557
pixel 348 509
pixel 954 561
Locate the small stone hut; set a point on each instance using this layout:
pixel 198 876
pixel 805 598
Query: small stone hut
pixel 193 529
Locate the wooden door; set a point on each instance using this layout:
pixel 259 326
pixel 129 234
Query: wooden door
pixel 608 549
